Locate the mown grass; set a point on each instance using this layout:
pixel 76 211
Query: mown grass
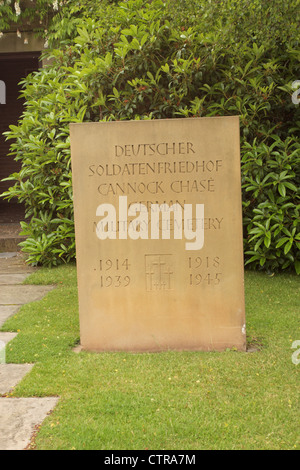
pixel 170 400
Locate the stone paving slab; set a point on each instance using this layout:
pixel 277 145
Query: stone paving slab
pixel 19 418
pixel 10 237
pixel 7 311
pixel 8 254
pixel 11 244
pixel 13 278
pixel 11 375
pixel 7 337
pixel 11 229
pixel 19 295
pixel 13 262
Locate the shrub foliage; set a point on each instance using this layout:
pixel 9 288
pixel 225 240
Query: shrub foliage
pixel 154 60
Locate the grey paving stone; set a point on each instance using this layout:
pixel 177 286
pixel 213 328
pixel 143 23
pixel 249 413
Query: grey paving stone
pixel 14 262
pixel 7 311
pixel 7 337
pixel 11 375
pixel 13 278
pixel 19 295
pixel 19 418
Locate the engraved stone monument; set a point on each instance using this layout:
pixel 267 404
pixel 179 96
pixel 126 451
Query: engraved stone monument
pixel 158 224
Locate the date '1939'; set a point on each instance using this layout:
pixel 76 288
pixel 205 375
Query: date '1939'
pixel 115 272
pixel 114 281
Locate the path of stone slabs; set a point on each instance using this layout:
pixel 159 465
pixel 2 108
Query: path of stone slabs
pixel 19 417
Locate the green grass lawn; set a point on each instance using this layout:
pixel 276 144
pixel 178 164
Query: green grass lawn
pixel 170 400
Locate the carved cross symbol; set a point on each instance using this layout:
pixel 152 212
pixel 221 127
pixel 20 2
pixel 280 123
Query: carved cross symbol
pixel 168 272
pixel 158 272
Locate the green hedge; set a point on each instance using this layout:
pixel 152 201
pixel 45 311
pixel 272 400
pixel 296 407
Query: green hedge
pixel 155 60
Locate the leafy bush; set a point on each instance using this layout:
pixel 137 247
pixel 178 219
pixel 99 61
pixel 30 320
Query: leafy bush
pixel 140 60
pixel 271 177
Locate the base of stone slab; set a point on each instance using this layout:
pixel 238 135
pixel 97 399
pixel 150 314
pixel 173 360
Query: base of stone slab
pixel 77 349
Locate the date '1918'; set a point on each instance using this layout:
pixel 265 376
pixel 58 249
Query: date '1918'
pixel 203 270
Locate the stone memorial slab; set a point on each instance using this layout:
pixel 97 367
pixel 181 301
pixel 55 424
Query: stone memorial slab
pixel 158 224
